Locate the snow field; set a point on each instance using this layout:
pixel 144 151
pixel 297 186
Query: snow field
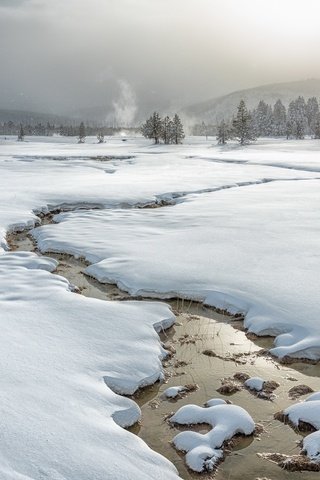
pixel 243 235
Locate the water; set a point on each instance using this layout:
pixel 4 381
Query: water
pixel 199 328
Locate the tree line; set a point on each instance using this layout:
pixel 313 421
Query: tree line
pixel 169 130
pixel 81 131
pixel 301 118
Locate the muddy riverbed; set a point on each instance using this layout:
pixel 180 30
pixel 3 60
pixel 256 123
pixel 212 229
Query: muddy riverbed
pixel 198 329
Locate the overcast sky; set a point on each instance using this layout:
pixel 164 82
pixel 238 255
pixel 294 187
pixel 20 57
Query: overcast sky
pixel 62 55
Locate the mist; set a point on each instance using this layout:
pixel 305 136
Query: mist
pixel 62 56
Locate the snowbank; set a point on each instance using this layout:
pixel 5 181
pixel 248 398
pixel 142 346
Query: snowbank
pixel 229 249
pixel 63 357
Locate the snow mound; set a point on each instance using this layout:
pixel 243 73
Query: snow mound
pixel 255 383
pixel 205 451
pixel 314 396
pixel 307 412
pixel 215 401
pixel 311 445
pixel 173 392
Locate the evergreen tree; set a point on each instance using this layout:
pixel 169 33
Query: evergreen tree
pixel 167 130
pixel 301 118
pixel 242 124
pixel 82 133
pixel 224 133
pixel 152 128
pixel 100 137
pixel 297 118
pixel 312 112
pixel 317 127
pixel 177 130
pixel 262 120
pixel 279 119
pixel 21 133
pixel 204 130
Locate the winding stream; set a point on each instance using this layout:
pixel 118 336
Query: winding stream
pixel 197 329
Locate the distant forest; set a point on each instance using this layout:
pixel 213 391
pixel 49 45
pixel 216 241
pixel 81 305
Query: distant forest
pixel 301 118
pixel 48 129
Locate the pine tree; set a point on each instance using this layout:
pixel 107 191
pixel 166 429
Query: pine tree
pixel 262 120
pixel 167 130
pixel 21 133
pixel 82 133
pixel 312 112
pixel 224 133
pixel 100 137
pixel 297 118
pixel 301 118
pixel 204 130
pixel 242 124
pixel 177 130
pixel 279 119
pixel 152 128
pixel 317 127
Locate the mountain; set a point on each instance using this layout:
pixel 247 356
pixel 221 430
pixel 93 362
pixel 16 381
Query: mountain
pixel 216 109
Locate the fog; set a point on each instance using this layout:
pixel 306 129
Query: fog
pixel 61 56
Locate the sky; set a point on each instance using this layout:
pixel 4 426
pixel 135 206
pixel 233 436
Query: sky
pixel 61 56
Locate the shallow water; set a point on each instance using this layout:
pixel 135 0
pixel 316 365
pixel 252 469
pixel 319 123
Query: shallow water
pixel 199 328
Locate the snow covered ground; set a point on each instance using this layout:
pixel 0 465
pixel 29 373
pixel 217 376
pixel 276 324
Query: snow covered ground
pixel 243 234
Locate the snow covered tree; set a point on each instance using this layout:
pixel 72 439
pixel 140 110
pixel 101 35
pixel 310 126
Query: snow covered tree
pixel 262 119
pixel 224 133
pixel 21 133
pixel 242 125
pixel 167 130
pixel 152 127
pixel 279 119
pixel 204 130
pixel 82 133
pixel 177 130
pixel 100 137
pixel 297 118
pixel 312 112
pixel 316 127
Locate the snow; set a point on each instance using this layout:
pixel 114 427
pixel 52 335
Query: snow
pixel 312 397
pixel 205 450
pixel 63 356
pixel 308 412
pixel 311 445
pixel 215 401
pixel 229 249
pixel 242 234
pixel 255 383
pixel 173 392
